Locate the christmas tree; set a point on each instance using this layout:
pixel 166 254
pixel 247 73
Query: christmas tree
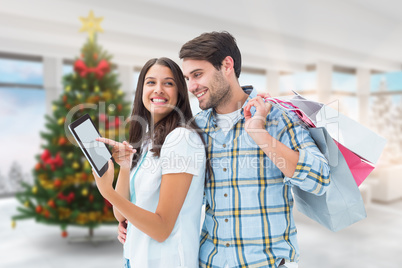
pixel 64 191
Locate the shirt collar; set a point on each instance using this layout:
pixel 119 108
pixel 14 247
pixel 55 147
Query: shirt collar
pixel 206 120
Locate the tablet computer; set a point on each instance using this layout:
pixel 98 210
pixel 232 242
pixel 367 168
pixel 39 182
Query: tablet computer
pixel 85 133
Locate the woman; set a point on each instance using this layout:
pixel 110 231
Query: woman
pixel 161 197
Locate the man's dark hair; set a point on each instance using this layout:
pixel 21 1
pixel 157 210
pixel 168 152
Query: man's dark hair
pixel 213 47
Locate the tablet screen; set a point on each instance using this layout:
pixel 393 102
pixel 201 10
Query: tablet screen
pixel 97 151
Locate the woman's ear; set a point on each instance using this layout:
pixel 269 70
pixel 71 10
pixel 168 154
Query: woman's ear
pixel 228 65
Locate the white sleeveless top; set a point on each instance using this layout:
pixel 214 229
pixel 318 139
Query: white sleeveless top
pixel 182 152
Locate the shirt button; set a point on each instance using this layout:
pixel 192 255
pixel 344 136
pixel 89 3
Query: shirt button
pixel 224 145
pixel 225 195
pixel 224 169
pixel 226 220
pixel 227 244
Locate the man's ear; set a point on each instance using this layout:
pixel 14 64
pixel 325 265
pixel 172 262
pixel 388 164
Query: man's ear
pixel 228 65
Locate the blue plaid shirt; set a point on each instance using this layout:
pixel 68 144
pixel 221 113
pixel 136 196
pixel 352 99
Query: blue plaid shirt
pixel 248 218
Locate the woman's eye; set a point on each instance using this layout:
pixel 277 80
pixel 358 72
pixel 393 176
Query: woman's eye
pixel 150 82
pixel 169 83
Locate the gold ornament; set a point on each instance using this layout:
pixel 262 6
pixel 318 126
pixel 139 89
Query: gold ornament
pixel 54 108
pixel 97 89
pixel 84 192
pixel 70 155
pixel 107 95
pixel 68 88
pixel 26 204
pixel 91 25
pixel 119 92
pixel 84 86
pixel 34 190
pixel 79 95
pixel 13 224
pixel 61 121
pixel 86 165
pixel 76 165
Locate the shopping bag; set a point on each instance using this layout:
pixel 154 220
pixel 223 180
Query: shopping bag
pixel 361 151
pixel 359 167
pixel 342 204
pixel 354 136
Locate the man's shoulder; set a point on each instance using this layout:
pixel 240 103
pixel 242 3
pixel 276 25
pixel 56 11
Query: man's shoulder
pixel 280 113
pixel 201 118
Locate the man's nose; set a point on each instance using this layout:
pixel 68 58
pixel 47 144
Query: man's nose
pixel 192 86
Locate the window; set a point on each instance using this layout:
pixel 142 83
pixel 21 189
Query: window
pixel 22 106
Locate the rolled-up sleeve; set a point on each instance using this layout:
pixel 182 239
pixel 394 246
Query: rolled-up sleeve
pixel 312 172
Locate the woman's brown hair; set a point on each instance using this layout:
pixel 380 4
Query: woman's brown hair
pixel 141 128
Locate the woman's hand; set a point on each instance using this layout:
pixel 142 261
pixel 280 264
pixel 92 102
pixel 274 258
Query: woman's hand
pixel 121 152
pixel 105 183
pixel 256 123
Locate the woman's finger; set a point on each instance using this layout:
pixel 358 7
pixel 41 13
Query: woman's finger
pixel 108 141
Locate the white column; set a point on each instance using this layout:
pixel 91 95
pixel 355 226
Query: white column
pixel 324 81
pixel 363 94
pixel 273 82
pixel 52 80
pixel 126 77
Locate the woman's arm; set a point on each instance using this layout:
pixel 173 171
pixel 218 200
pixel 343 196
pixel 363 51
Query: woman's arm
pixel 123 188
pixel 123 155
pixel 158 225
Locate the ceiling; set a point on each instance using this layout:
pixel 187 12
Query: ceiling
pixel 284 35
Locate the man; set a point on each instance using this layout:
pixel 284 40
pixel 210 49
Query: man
pixel 257 154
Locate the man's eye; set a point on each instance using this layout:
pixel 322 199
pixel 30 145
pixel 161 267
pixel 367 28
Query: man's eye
pixel 197 74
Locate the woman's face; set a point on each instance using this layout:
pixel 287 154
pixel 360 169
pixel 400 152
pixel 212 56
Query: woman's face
pixel 160 92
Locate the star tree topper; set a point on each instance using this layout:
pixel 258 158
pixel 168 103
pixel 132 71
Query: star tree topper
pixel 91 25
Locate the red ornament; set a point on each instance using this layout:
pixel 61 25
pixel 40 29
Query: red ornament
pixel 64 98
pixel 95 56
pixel 51 203
pixel 46 213
pixel 100 70
pixel 119 107
pixel 103 117
pixel 105 209
pixel 68 106
pixel 64 234
pixel 55 162
pixel 57 183
pixel 115 123
pixel 107 203
pixel 84 176
pixel 62 141
pixel 38 209
pixel 38 166
pixel 91 198
pixel 69 198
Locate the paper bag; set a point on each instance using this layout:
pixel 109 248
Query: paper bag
pixel 342 204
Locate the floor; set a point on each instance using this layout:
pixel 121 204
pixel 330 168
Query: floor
pixel 371 243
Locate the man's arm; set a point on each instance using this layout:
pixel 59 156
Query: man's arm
pixel 292 150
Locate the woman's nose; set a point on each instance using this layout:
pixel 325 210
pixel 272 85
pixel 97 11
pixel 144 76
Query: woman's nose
pixel 158 89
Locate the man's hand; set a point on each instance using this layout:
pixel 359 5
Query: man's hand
pixel 256 123
pixel 122 231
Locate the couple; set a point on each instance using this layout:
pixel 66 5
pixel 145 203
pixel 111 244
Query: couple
pixel 255 155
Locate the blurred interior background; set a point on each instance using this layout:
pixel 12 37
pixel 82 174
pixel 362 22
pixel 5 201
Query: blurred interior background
pixel 345 52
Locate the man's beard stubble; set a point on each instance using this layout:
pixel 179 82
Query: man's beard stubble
pixel 219 93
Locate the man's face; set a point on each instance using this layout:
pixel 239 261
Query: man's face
pixel 207 83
